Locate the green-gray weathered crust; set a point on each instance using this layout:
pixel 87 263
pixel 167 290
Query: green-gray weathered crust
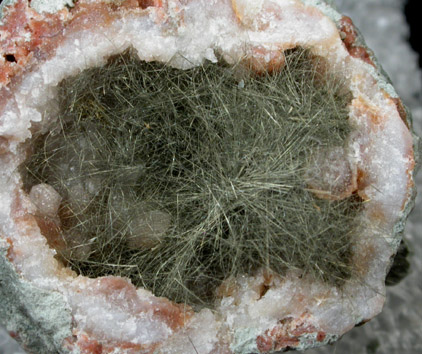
pixel 40 319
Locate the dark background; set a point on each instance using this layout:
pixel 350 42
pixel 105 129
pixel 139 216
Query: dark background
pixel 413 17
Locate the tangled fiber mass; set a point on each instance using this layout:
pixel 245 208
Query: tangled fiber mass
pixel 181 179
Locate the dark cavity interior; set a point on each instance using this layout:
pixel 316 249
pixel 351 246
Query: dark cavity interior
pixel 181 179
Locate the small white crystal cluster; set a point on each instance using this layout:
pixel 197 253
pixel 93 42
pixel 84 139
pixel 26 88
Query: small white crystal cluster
pixel 46 199
pixel 381 147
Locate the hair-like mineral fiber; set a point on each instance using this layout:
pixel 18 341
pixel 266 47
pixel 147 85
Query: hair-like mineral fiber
pixel 179 179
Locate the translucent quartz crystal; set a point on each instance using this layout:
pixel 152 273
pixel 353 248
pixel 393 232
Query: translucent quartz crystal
pixel 46 199
pixel 147 227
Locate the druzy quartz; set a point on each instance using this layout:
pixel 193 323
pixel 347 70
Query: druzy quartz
pixel 258 312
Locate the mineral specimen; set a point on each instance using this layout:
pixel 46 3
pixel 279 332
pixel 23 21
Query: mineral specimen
pixel 51 298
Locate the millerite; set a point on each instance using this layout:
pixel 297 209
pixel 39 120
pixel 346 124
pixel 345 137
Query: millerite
pixel 180 179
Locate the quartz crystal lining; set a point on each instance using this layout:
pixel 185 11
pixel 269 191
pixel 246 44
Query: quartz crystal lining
pixel 259 313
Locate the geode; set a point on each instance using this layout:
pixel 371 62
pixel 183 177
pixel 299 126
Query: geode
pixel 49 307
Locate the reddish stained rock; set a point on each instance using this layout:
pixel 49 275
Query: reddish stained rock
pixel 22 34
pixel 363 181
pixel 263 61
pixel 286 334
pixel 88 345
pixel 17 209
pixel 349 36
pixel 4 145
pixel 348 31
pixel 10 254
pixel 361 53
pixel 14 335
pixel 26 33
pixel 266 285
pixel 50 229
pixel 143 4
pixel 85 14
pixel 369 112
pixel 321 336
pixel 402 111
pixel 174 315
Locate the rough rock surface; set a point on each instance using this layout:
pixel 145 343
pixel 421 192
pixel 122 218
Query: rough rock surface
pixel 397 329
pixel 244 322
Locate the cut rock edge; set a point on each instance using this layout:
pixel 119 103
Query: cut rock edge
pixel 236 316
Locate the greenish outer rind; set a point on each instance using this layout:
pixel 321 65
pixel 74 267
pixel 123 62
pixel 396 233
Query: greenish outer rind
pixel 244 341
pixel 42 317
pixel 311 340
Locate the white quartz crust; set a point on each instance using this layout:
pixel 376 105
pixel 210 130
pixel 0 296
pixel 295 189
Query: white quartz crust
pixel 50 6
pixel 195 31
